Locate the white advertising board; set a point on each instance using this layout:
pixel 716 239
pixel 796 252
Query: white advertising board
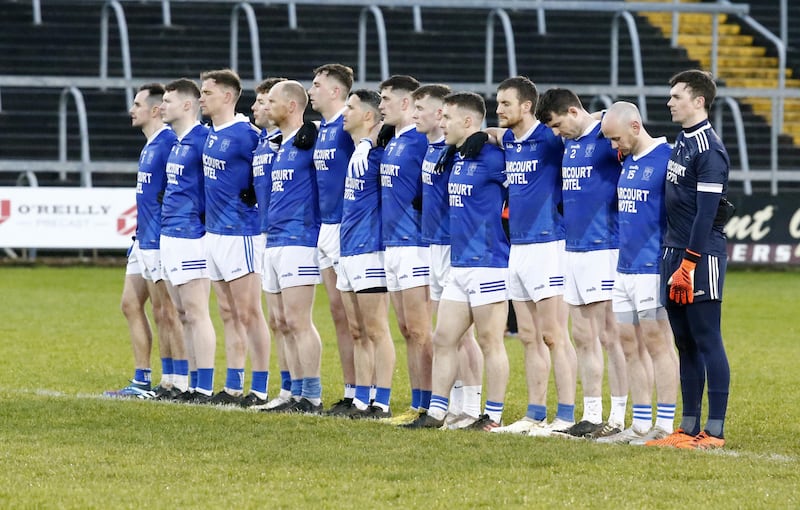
pixel 67 217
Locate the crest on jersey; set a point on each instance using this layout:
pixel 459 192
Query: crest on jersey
pixel 400 148
pixel 292 155
pixel 471 168
pixel 648 172
pixel 533 146
pixel 225 144
pixel 333 132
pixel 150 156
pixel 589 150
pixel 185 150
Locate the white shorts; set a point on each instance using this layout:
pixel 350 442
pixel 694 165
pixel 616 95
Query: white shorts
pixel 183 260
pixel 590 276
pixel 231 257
pixel 289 266
pixel 328 246
pixel 636 292
pixel 146 263
pixel 361 272
pixel 536 271
pixel 407 267
pixel 440 269
pixel 477 285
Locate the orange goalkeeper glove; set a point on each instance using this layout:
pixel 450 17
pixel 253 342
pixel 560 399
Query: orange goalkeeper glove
pixel 681 282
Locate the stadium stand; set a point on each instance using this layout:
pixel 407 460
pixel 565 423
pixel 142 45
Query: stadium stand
pixel 450 49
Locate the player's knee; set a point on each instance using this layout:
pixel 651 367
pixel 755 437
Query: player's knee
pixel 130 308
pixel 357 334
pixel 419 335
pixel 297 322
pixel 552 336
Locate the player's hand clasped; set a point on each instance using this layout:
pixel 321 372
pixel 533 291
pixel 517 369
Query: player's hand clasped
pixel 681 283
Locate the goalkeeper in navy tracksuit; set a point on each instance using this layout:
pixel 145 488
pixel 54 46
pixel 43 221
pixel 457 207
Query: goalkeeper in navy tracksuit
pixel 693 265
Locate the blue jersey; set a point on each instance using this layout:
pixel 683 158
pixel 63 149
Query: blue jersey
pixel 294 202
pixel 184 199
pixel 642 219
pixel 533 168
pixel 361 212
pixel 151 180
pixel 332 153
pixel 697 178
pixel 262 181
pixel 477 192
pixel 401 184
pixel 589 173
pixel 435 206
pixel 228 167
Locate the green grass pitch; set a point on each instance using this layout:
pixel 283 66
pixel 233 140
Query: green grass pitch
pixel 64 341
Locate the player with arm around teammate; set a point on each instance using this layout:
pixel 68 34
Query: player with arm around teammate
pixel 589 174
pixel 465 397
pixel 263 157
pixel 362 277
pixel 536 261
pixel 637 302
pixel 332 150
pixel 233 239
pixel 291 268
pixel 476 289
pixel 407 256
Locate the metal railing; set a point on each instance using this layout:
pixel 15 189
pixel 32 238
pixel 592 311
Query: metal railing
pixel 83 130
pixel 511 50
pixel 777 103
pixel 255 44
pixel 383 47
pixel 371 7
pixel 636 50
pixel 122 26
pixel 741 140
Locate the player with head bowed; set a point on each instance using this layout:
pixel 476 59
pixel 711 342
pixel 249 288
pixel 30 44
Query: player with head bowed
pixel 636 299
pixel 589 173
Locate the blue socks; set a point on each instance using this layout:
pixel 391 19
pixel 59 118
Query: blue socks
pixel 424 399
pixel 205 380
pixel 566 412
pixel 234 379
pixel 142 376
pixel 536 412
pixel 382 396
pixel 415 397
pixel 286 380
pixel 259 383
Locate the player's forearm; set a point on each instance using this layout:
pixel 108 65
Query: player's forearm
pixel 707 204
